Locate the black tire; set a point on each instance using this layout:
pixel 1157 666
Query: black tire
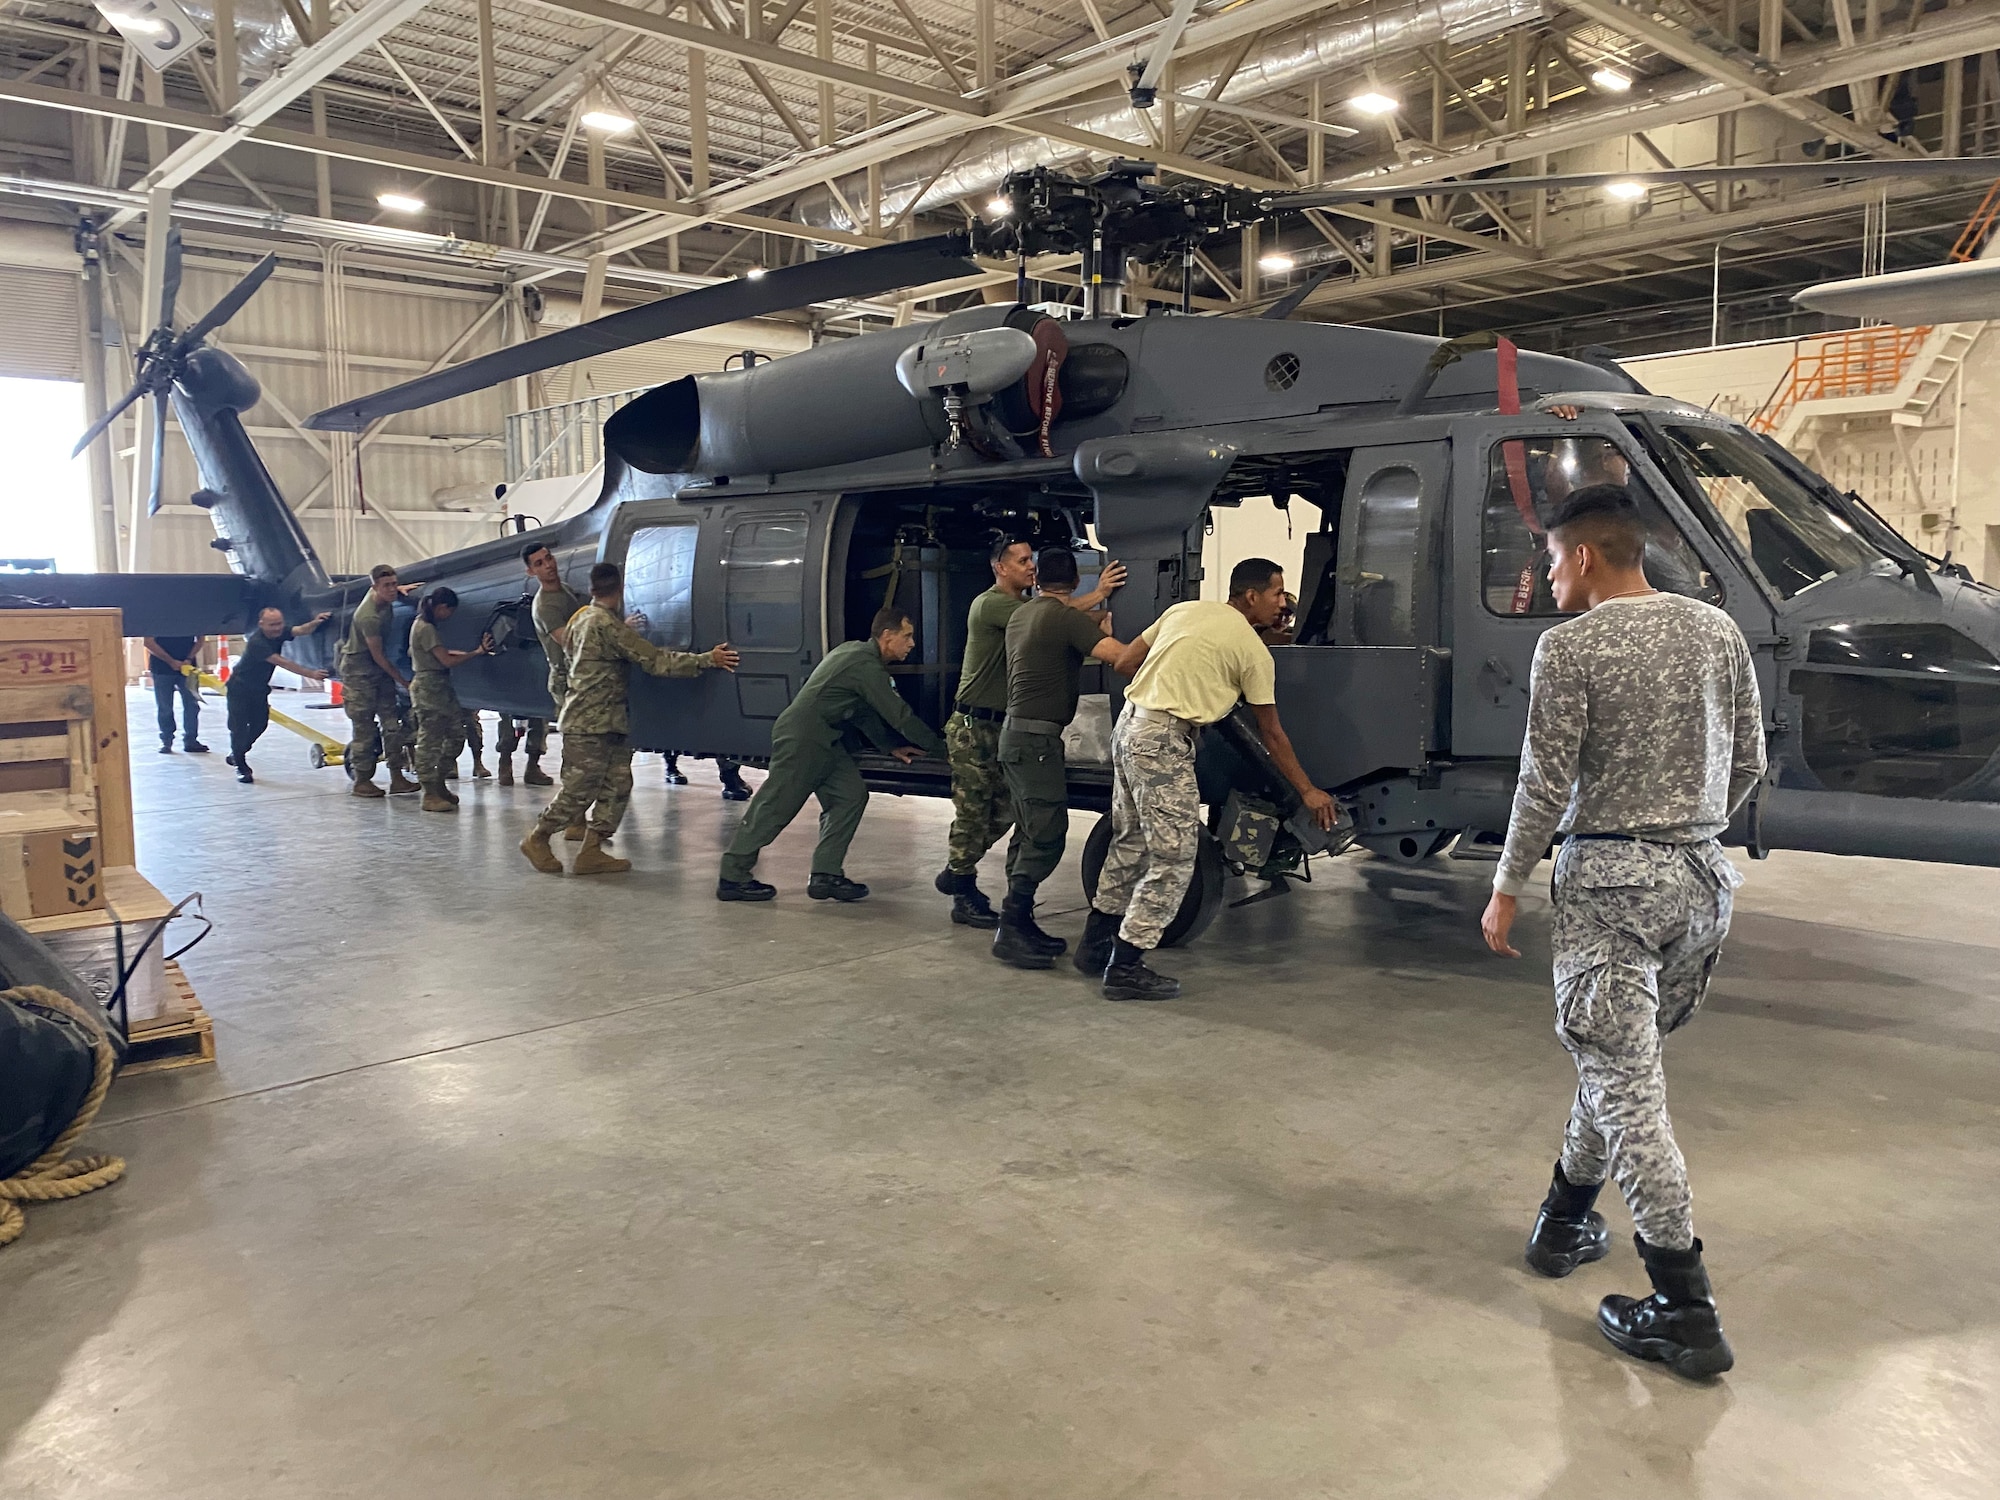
pixel 1205 891
pixel 319 757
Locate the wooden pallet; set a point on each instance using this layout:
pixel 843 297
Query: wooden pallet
pixel 181 1041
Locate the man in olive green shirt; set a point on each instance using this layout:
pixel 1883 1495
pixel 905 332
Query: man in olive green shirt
pixel 982 807
pixel 849 691
pixel 368 683
pixel 1048 641
pixel 597 753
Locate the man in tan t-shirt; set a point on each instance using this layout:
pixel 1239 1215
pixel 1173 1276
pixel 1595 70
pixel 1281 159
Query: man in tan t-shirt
pixel 1188 668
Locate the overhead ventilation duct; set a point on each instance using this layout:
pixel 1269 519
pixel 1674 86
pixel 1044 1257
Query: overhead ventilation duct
pixel 1349 39
pixel 265 36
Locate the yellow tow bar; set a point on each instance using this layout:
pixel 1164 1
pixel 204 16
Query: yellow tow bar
pixel 325 751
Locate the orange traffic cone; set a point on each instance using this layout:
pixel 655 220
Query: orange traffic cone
pixel 333 694
pixel 222 658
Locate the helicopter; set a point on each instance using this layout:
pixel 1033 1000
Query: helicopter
pixel 778 505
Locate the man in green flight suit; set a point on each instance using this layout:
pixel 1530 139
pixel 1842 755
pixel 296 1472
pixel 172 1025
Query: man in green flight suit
pixel 368 683
pixel 982 807
pixel 597 752
pixel 849 691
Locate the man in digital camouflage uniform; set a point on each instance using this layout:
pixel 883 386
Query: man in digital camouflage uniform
pixel 849 693
pixel 982 808
pixel 597 755
pixel 1644 735
pixel 1188 669
pixel 555 603
pixel 368 684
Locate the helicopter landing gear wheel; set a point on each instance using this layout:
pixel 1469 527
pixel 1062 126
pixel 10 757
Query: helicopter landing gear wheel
pixel 1204 895
pixel 319 757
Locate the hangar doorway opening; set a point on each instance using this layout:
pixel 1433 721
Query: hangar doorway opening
pixel 45 519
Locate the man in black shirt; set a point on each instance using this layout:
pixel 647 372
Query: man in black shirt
pixel 249 694
pixel 168 657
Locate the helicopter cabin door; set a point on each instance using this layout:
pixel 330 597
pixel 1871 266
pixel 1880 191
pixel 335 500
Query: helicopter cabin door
pixel 751 574
pixel 1511 474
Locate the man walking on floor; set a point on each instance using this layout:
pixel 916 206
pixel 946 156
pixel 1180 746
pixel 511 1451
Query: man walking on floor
pixel 248 694
pixel 168 658
pixel 1048 641
pixel 850 691
pixel 1188 668
pixel 597 753
pixel 368 684
pixel 982 807
pixel 1644 734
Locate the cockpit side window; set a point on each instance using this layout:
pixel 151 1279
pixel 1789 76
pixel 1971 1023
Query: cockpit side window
pixel 1527 479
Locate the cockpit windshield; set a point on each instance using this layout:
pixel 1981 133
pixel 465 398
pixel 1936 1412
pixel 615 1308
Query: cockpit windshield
pixel 1795 538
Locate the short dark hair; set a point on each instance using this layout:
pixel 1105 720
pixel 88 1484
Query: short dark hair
pixel 888 620
pixel 438 598
pixel 528 552
pixel 605 580
pixel 1003 546
pixel 1603 516
pixel 381 571
pixel 1252 575
pixel 1055 567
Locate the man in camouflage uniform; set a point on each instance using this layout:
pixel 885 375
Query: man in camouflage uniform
pixel 1188 668
pixel 982 807
pixel 537 740
pixel 555 604
pixel 368 684
pixel 597 755
pixel 1644 735
pixel 849 692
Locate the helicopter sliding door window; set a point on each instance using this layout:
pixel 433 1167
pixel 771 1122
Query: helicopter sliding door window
pixel 1527 479
pixel 659 582
pixel 1388 530
pixel 764 581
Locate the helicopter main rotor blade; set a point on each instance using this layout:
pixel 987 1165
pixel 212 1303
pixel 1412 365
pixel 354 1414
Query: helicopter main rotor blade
pixel 860 273
pixel 170 284
pixel 159 448
pixel 90 435
pixel 232 301
pixel 1980 167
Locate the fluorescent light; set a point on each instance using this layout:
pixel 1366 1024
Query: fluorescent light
pixel 999 208
pixel 1626 189
pixel 1374 103
pixel 401 203
pixel 755 273
pixel 1276 262
pixel 1611 80
pixel 143 25
pixel 607 120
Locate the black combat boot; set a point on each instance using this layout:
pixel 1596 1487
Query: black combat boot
pixel 835 888
pixel 734 787
pixel 1568 1232
pixel 675 775
pixel 1093 949
pixel 969 906
pixel 1016 942
pixel 1126 977
pixel 1678 1325
pixel 1024 892
pixel 743 890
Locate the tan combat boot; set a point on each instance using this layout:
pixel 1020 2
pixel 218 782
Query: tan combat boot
pixel 367 789
pixel 506 777
pixel 479 771
pixel 399 784
pixel 435 800
pixel 592 860
pixel 576 831
pixel 535 775
pixel 540 855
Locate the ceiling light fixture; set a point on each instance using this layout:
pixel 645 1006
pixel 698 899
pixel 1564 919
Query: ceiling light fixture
pixel 1611 80
pixel 1374 102
pixel 1277 262
pixel 143 25
pixel 999 208
pixel 401 203
pixel 609 121
pixel 1626 190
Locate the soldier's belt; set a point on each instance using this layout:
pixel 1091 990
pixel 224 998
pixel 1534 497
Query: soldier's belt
pixel 983 715
pixel 1161 716
pixel 1033 726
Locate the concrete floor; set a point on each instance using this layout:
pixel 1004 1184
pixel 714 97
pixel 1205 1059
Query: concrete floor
pixel 515 1187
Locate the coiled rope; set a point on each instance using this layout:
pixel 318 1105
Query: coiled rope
pixel 48 1177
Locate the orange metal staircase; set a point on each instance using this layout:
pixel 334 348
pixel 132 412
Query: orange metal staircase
pixel 1860 362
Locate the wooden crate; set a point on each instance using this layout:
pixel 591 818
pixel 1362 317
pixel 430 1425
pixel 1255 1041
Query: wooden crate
pixel 64 754
pixel 186 1041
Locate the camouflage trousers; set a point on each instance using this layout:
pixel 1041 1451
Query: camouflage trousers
pixel 1155 825
pixel 475 732
pixel 982 809
pixel 370 699
pixel 441 722
pixel 597 777
pixel 510 736
pixel 1638 928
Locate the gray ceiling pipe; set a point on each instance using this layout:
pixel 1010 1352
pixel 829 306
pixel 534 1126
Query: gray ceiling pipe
pixel 1347 40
